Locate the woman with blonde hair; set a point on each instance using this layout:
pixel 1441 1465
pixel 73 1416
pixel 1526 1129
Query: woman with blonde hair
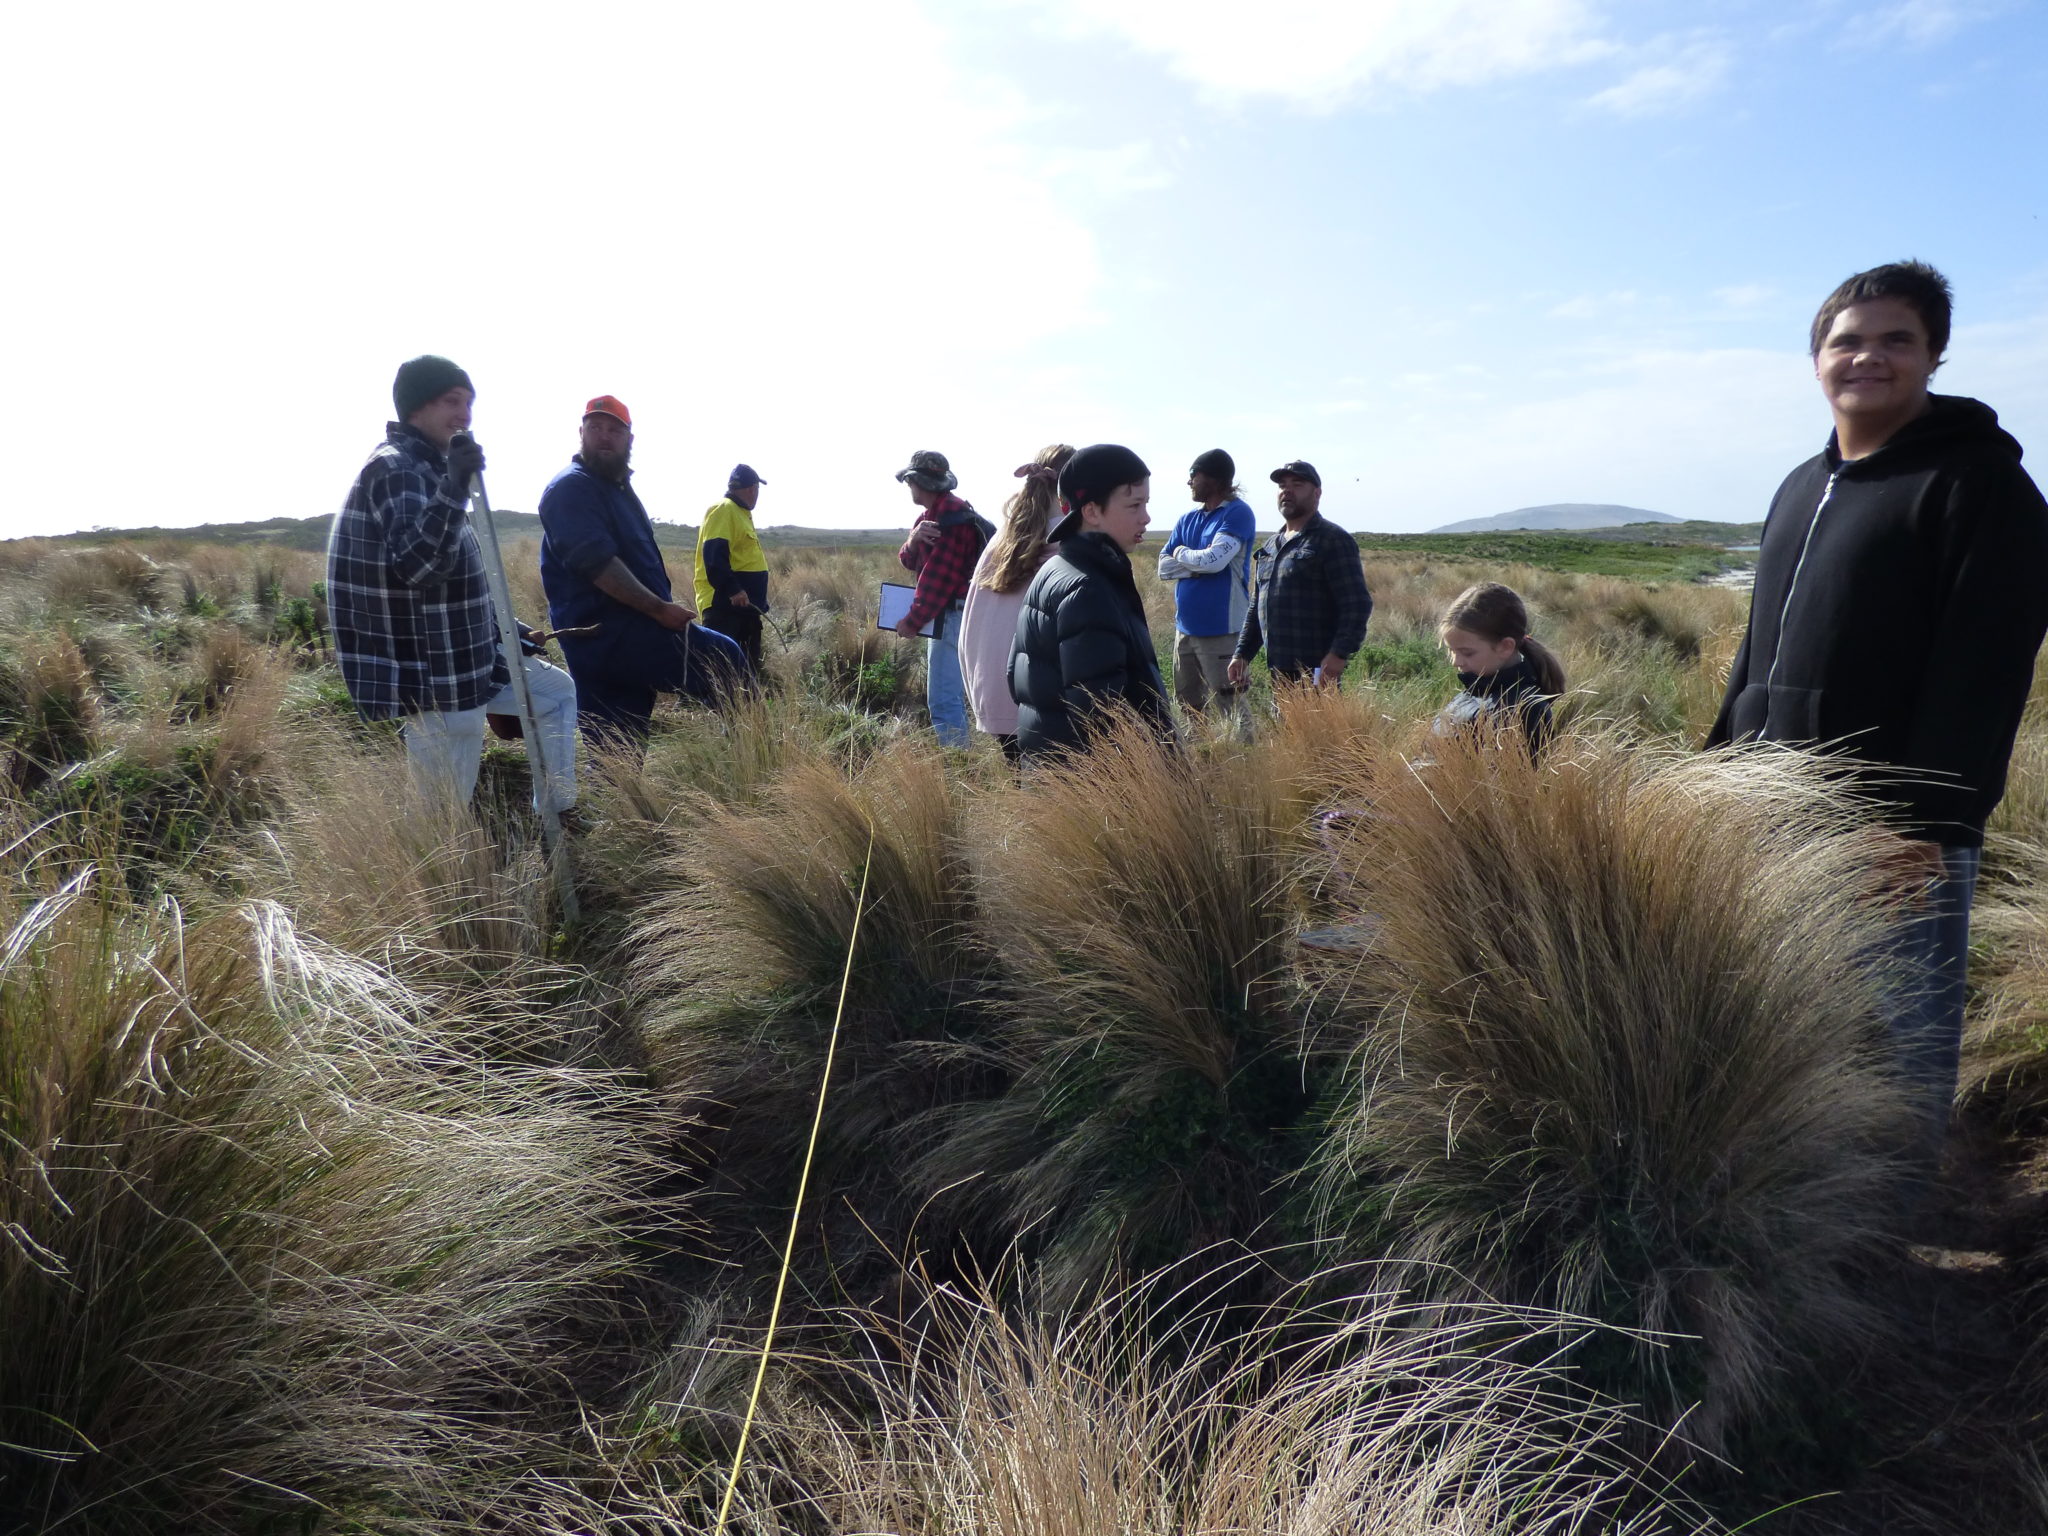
pixel 988 628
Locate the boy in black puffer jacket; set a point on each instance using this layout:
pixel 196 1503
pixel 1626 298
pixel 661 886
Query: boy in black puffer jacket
pixel 1083 645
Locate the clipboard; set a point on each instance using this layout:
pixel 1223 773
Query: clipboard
pixel 895 603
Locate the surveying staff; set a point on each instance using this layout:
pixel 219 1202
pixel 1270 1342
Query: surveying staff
pixel 602 570
pixel 731 570
pixel 944 544
pixel 1311 603
pixel 409 604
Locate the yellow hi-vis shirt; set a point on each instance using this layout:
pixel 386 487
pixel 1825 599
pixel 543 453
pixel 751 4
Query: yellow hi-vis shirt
pixel 735 524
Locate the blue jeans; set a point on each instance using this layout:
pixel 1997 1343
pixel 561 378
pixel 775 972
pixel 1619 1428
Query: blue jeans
pixel 1925 1015
pixel 620 671
pixel 945 695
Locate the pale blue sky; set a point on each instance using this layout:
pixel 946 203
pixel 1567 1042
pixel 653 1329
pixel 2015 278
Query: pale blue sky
pixel 1465 255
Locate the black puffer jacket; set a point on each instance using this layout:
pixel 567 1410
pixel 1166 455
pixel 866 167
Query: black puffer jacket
pixel 1899 601
pixel 1082 645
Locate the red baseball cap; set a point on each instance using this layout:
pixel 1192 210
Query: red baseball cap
pixel 610 405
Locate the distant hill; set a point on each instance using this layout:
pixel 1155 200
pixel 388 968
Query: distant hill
pixel 310 533
pixel 1563 514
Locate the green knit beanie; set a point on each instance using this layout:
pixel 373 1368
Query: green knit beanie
pixel 425 378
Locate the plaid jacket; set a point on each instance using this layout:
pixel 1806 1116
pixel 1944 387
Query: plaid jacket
pixel 946 568
pixel 1310 600
pixel 413 626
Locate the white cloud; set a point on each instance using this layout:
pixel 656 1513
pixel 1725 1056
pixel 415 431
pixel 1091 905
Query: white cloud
pixel 742 220
pixel 1745 295
pixel 1686 73
pixel 1323 52
pixel 1917 23
pixel 1595 306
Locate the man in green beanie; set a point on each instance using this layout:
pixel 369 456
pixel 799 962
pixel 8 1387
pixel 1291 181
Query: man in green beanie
pixel 411 611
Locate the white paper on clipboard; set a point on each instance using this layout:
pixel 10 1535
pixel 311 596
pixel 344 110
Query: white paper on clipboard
pixel 895 604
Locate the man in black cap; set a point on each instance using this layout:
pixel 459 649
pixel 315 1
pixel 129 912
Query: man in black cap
pixel 732 570
pixel 1311 603
pixel 414 630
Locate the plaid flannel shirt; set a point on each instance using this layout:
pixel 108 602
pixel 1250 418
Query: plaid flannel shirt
pixel 946 569
pixel 1310 601
pixel 413 626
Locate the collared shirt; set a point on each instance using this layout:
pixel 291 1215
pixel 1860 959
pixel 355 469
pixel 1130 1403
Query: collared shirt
pixel 414 630
pixel 587 522
pixel 1311 599
pixel 945 568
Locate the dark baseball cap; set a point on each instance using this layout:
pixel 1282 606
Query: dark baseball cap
pixel 1300 468
pixel 1092 475
pixel 743 474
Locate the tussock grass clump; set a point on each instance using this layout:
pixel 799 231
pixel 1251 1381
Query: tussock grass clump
pixel 1629 1069
pixel 269 1240
pixel 744 956
pixel 458 905
pixel 2005 1043
pixel 988 1425
pixel 1143 914
pixel 48 706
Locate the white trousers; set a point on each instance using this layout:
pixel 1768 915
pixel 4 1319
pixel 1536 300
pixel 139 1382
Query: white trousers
pixel 443 750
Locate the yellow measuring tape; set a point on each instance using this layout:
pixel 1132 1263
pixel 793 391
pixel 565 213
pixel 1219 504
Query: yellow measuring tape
pixel 803 1185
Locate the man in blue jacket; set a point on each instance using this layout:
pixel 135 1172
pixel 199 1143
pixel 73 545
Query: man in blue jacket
pixel 1208 557
pixel 1901 595
pixel 602 571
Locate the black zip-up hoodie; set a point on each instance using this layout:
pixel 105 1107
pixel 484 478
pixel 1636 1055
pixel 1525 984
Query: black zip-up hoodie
pixel 1899 601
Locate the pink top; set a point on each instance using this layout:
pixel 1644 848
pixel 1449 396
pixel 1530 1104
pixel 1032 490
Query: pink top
pixel 988 637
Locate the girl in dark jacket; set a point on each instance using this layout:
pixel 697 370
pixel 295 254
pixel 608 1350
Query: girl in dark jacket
pixel 1510 677
pixel 1083 645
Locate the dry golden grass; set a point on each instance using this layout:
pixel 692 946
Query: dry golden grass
pixel 1629 1064
pixel 982 1424
pixel 275 1238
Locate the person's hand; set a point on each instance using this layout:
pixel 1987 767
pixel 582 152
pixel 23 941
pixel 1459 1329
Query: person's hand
pixel 907 629
pixel 924 535
pixel 674 616
pixel 738 600
pixel 1331 670
pixel 465 460
pixel 1239 672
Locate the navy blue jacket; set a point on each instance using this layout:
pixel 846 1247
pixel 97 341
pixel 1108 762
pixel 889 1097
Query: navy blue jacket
pixel 586 521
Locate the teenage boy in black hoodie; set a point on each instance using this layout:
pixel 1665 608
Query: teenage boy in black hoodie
pixel 1901 594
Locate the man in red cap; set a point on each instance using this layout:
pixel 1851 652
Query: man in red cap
pixel 603 572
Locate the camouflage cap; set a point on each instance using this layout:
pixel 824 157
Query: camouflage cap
pixel 929 471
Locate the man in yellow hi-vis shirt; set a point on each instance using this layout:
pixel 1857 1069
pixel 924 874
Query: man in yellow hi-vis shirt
pixel 732 571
